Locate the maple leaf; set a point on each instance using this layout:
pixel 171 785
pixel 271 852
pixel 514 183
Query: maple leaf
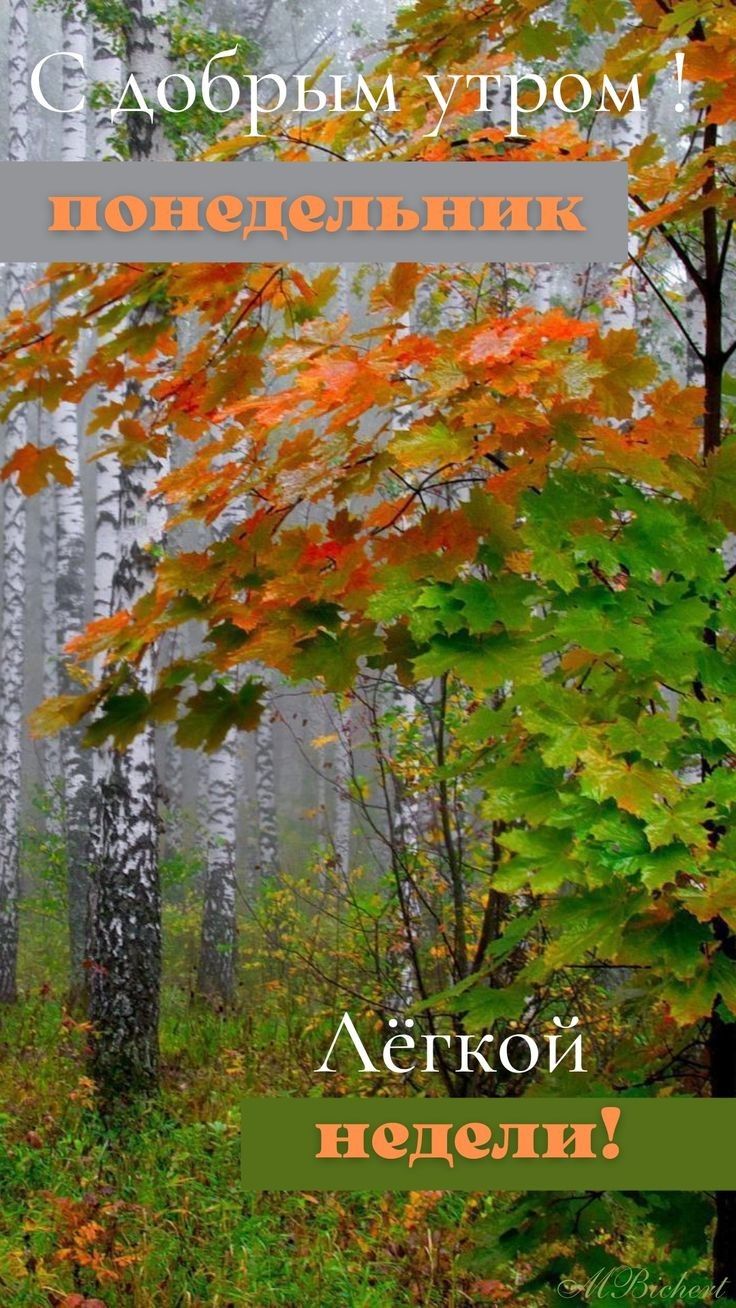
pixel 211 714
pixel 123 717
pixel 398 291
pixel 36 467
pixel 62 711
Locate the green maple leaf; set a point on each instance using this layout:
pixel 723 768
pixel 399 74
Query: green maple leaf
pixel 124 716
pixel 540 40
pixel 212 713
pixel 603 16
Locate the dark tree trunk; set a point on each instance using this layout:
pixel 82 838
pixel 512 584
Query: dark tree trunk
pixel 722 1053
pixel 126 929
pixel 722 1035
pixel 125 904
pixel 722 1048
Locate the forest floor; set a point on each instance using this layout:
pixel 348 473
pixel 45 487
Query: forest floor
pixel 150 1210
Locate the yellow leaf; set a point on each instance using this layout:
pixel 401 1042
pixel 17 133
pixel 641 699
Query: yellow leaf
pixel 320 742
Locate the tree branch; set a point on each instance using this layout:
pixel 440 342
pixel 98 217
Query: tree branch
pixel 675 245
pixel 665 302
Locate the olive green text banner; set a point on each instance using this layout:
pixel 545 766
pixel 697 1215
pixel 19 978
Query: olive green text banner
pixel 489 1144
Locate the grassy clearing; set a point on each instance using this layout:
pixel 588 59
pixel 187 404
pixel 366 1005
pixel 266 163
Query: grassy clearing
pixel 149 1210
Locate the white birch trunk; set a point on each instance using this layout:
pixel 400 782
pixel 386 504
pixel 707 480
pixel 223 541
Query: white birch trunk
pixel 70 549
pixel 51 746
pixel 626 133
pixel 218 939
pixel 147 59
pixel 107 71
pixel 173 784
pixel 342 763
pixel 544 284
pixel 265 781
pixel 693 306
pixel 343 806
pixel 126 925
pixel 219 930
pixel 14 559
pixel 408 826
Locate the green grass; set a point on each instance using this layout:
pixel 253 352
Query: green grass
pixel 149 1210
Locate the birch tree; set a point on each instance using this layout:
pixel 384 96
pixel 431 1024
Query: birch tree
pixel 265 782
pixel 218 939
pixel 343 757
pixel 14 559
pixel 126 928
pixel 620 312
pixel 107 68
pixel 70 559
pixel 218 935
pixel 343 777
pixel 107 73
pixel 50 748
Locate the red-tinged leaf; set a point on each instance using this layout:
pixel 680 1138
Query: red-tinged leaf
pixel 98 636
pixel 36 468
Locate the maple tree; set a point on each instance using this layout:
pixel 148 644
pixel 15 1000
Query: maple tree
pixel 521 508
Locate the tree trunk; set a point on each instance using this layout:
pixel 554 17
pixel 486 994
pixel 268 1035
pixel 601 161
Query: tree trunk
pixel 218 940
pixel 722 1052
pixel 107 72
pixel 125 934
pixel 70 553
pixel 543 288
pixel 218 935
pixel 147 47
pixel 722 1037
pixel 409 825
pixel 172 793
pixel 126 927
pixel 51 747
pixel 14 561
pixel 265 777
pixel 620 313
pixel 342 774
pixel 343 807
